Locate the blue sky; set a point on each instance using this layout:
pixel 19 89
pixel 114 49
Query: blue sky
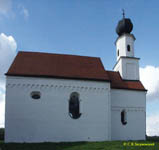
pixel 84 27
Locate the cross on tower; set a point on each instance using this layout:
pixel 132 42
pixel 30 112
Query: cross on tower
pixel 123 13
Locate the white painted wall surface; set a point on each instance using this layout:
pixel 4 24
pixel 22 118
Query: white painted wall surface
pixel 47 119
pixel 128 68
pixel 118 67
pixel 134 102
pixel 129 40
pixel 121 45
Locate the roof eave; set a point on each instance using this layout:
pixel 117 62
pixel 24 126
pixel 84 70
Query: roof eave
pixel 57 77
pixel 143 90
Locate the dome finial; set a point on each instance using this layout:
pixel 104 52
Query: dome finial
pixel 124 25
pixel 123 13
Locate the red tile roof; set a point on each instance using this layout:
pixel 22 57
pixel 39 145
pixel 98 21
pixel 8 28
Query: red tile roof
pixel 118 83
pixel 57 65
pixel 35 64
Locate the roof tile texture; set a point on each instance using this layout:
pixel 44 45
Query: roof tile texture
pixel 68 66
pixel 57 65
pixel 118 83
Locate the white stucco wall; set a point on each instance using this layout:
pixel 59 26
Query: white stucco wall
pixel 121 45
pixel 118 67
pixel 128 68
pixel 134 102
pixel 47 119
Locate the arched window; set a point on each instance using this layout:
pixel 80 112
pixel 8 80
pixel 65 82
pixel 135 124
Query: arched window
pixel 118 52
pixel 128 48
pixel 74 106
pixel 124 117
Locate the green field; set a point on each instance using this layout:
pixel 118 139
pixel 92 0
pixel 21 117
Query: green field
pixel 115 145
pixel 108 145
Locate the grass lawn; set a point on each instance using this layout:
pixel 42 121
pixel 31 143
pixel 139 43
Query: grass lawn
pixel 115 145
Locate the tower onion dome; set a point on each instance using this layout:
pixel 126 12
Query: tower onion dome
pixel 124 26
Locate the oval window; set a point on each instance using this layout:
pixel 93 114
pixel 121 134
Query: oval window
pixel 35 95
pixel 74 106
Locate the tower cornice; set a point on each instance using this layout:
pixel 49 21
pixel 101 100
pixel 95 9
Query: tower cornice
pixel 125 34
pixel 125 57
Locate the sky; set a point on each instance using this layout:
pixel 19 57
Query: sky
pixel 82 27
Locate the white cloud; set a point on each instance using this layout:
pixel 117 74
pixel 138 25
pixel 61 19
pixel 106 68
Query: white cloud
pixel 149 76
pixel 152 125
pixel 6 9
pixel 8 48
pixel 23 11
pixel 2 109
pixel 150 79
pixel 5 6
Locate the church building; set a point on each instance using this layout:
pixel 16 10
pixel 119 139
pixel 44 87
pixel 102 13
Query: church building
pixel 69 98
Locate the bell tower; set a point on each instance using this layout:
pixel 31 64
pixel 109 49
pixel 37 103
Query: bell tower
pixel 127 64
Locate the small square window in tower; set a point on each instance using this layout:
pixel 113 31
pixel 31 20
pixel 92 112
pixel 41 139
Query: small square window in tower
pixel 128 48
pixel 118 52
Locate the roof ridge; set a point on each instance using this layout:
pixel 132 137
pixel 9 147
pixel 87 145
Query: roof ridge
pixel 57 54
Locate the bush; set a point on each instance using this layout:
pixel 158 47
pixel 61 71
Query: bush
pixel 1 134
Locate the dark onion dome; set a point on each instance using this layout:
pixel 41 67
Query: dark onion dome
pixel 124 26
